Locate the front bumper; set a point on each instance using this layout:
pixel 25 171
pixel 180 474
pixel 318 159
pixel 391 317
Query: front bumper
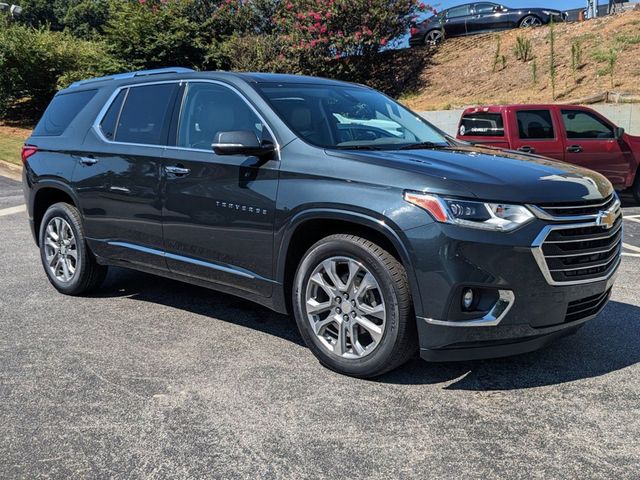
pixel 531 313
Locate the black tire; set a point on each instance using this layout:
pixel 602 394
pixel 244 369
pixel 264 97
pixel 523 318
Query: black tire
pixel 88 274
pixel 530 18
pixel 635 188
pixel 398 342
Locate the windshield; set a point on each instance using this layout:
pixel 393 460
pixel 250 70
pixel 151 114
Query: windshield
pixel 349 117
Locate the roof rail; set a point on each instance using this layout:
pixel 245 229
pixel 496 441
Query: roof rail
pixel 124 76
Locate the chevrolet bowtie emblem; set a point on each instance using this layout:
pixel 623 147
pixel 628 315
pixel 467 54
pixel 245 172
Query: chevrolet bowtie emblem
pixel 606 219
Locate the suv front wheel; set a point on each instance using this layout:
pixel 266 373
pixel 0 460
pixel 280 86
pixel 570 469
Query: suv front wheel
pixel 353 306
pixel 70 266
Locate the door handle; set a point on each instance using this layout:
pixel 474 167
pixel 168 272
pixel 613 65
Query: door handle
pixel 574 149
pixel 88 161
pixel 527 149
pixel 176 170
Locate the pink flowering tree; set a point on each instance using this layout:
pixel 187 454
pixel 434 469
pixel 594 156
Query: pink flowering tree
pixel 342 28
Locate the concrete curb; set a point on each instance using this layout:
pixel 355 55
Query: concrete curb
pixel 9 170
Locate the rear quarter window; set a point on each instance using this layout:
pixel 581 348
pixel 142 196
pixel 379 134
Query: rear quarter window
pixel 481 124
pixel 61 112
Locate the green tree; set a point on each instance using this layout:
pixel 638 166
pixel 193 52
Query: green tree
pixel 86 18
pixel 151 34
pixel 40 13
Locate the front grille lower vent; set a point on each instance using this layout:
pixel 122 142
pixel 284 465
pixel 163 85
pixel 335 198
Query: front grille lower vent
pixel 586 307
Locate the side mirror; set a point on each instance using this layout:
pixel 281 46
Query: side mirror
pixel 241 142
pixel 618 133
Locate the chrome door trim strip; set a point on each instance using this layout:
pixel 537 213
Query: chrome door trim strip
pixel 194 261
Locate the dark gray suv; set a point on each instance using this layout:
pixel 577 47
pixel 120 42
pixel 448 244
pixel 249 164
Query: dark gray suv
pixel 381 234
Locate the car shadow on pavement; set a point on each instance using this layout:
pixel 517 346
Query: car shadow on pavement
pixel 199 300
pixel 609 343
pixel 606 344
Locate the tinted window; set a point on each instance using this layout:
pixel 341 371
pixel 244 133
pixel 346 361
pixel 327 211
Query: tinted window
pixel 145 115
pixel 535 124
pixel 346 116
pixel 580 124
pixel 61 112
pixel 458 11
pixel 484 7
pixel 208 109
pixel 482 124
pixel 108 124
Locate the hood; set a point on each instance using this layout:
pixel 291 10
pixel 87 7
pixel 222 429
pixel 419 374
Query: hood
pixel 493 174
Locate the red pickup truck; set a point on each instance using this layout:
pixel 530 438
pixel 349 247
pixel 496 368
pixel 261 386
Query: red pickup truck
pixel 570 133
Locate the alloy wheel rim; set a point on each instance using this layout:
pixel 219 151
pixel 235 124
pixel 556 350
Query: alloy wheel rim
pixel 60 249
pixel 433 37
pixel 345 307
pixel 531 22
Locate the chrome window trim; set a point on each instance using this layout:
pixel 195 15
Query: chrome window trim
pixel 538 255
pixel 103 111
pixel 500 309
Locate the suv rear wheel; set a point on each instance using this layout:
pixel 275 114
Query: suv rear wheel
pixel 353 306
pixel 70 266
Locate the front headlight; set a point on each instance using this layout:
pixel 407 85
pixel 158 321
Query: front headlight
pixel 501 217
pixel 551 12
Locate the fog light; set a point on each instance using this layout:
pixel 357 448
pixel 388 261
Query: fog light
pixel 467 298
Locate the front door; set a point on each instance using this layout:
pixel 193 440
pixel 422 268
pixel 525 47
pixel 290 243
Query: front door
pixel 118 176
pixel 487 16
pixel 591 143
pixel 219 209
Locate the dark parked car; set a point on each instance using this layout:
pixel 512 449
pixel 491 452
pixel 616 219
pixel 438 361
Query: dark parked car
pixel 481 17
pixel 324 199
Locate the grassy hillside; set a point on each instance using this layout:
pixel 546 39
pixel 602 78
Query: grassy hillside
pixel 462 71
pixel 11 141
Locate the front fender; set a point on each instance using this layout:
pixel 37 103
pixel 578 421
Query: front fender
pixel 387 228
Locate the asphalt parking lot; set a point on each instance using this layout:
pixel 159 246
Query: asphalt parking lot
pixel 153 378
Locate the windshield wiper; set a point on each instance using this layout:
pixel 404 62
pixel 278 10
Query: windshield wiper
pixel 422 145
pixel 358 147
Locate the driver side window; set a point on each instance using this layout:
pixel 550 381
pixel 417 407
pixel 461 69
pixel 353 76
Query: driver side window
pixel 483 8
pixel 585 125
pixel 210 108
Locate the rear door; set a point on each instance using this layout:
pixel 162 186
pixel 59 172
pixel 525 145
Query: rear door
pixel 118 176
pixel 455 21
pixel 219 209
pixel 591 143
pixel 487 16
pixel 536 130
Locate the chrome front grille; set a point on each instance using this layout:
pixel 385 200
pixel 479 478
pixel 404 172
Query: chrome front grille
pixel 580 252
pixel 562 211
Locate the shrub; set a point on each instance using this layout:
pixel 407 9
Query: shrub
pixel 610 58
pixel 553 72
pixel 35 63
pixel 498 57
pixel 576 58
pixel 523 49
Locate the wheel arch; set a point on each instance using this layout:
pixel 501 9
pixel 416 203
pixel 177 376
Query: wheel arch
pixel 529 14
pixel 310 226
pixel 46 194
